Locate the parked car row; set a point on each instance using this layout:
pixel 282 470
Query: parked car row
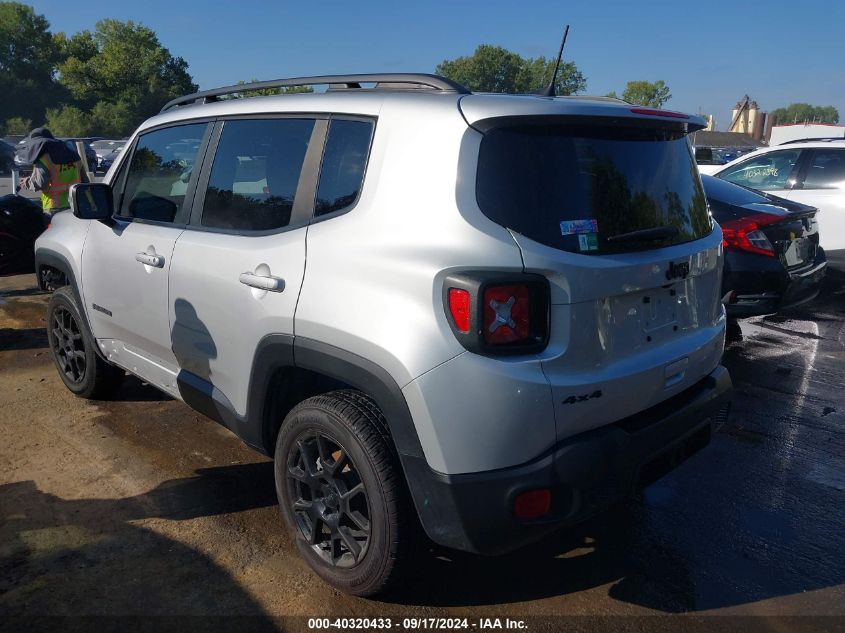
pixel 107 152
pixel 809 172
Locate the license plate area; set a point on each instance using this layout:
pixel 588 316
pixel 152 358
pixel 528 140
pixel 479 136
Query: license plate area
pixel 799 251
pixel 659 310
pixel 646 317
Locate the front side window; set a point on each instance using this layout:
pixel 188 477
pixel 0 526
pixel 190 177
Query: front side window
pixel 592 189
pixel 160 171
pixel 827 170
pixel 344 161
pixel 255 174
pixel 765 172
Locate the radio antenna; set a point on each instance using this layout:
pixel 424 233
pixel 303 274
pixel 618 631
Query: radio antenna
pixel 549 91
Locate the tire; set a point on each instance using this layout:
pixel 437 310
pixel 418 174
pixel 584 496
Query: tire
pixel 73 350
pixel 345 436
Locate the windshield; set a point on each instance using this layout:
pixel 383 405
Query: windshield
pixel 574 186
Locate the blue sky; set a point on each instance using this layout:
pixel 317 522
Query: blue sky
pixel 710 53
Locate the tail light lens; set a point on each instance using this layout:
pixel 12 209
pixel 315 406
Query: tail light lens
pixel 495 314
pixel 507 314
pixel 459 308
pixel 745 234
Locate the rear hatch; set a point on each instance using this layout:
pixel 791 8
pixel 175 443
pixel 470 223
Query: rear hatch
pixel 605 201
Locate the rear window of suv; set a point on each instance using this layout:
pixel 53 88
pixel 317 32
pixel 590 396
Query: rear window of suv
pixel 574 186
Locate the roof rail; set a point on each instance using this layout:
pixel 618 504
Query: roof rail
pixel 397 81
pixel 825 139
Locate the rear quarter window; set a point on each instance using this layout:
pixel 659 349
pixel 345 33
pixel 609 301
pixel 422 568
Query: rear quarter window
pixel 344 162
pixel 574 186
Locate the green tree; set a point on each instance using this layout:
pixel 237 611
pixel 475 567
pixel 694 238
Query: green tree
pixel 806 113
pixel 27 59
pixel 18 125
pixel 264 92
pixel 124 65
pixel 496 69
pixel 69 121
pixel 647 93
pixel 112 120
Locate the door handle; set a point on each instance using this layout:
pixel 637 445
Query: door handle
pixel 273 284
pixel 156 261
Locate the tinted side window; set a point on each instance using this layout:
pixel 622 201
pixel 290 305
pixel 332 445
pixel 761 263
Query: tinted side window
pixel 827 170
pixel 344 161
pixel 768 171
pixel 255 174
pixel 160 171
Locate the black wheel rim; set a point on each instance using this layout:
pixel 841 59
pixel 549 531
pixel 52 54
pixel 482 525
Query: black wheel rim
pixel 68 346
pixel 329 500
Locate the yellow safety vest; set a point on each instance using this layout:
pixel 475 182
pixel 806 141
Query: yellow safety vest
pixel 55 194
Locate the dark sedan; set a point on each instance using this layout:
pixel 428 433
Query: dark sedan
pixel 7 157
pixel 21 222
pixel 772 255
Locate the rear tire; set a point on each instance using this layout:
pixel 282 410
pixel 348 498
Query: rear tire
pixel 73 350
pixel 342 492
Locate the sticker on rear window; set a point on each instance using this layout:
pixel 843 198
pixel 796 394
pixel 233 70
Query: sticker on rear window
pixel 588 242
pixel 575 227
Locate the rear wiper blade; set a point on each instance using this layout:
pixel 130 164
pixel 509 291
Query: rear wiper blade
pixel 656 233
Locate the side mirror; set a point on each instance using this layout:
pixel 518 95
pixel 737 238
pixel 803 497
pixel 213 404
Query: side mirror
pixel 91 201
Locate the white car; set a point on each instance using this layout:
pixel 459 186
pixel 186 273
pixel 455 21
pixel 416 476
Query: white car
pixel 810 172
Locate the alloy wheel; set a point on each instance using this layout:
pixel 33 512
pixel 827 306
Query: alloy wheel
pixel 68 345
pixel 329 499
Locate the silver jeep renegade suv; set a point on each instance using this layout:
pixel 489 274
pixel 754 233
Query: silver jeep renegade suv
pixel 485 315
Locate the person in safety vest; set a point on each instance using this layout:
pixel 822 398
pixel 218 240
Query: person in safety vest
pixel 55 167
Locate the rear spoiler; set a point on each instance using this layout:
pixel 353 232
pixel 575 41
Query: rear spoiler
pixel 638 117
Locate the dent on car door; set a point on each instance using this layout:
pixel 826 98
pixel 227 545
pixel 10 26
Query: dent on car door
pixel 239 265
pixel 125 262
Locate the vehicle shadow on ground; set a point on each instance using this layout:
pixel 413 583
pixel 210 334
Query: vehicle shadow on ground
pixel 24 292
pixel 587 556
pixel 17 339
pixel 89 556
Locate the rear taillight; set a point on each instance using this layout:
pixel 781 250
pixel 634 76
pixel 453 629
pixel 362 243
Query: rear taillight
pixel 494 313
pixel 745 234
pixel 459 308
pixel 507 314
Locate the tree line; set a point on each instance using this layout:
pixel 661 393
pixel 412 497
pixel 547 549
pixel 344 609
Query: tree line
pixel 107 81
pixel 102 82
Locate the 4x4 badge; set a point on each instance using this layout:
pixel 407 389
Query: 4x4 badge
pixel 584 398
pixel 677 270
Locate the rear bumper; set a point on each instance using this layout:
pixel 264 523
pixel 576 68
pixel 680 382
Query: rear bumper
pixel 587 472
pixel 763 286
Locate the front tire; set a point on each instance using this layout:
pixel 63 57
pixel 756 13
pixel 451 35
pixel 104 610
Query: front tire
pixel 72 347
pixel 342 492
